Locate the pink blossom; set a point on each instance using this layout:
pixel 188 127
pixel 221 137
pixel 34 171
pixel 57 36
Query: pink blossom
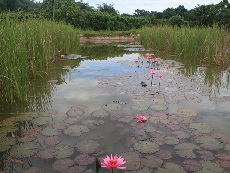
pixel 62 56
pixel 138 58
pixel 160 75
pixel 156 59
pixel 113 162
pixel 141 119
pixel 152 72
pixel 165 65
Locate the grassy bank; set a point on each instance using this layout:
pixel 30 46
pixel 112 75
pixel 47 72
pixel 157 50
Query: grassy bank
pixel 209 45
pixel 26 49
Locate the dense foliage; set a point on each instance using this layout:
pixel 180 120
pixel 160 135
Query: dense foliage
pixel 105 17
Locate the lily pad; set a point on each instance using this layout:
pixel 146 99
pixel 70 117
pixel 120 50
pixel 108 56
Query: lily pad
pixel 209 143
pixel 159 107
pixel 171 140
pixel 88 146
pixel 62 164
pixel 223 163
pixel 75 113
pixel 111 107
pixel 28 116
pixel 206 155
pixel 164 154
pixel 100 113
pixel 31 132
pixel 140 107
pixel 227 147
pixel 192 165
pixel 52 140
pixel 133 161
pixel 146 147
pixel 40 121
pixel 84 159
pixel 151 161
pixel 180 134
pixel 186 150
pixel 48 112
pixel 171 168
pixel 79 107
pixel 49 131
pixel 201 127
pixel 47 153
pixel 63 151
pixel 70 120
pixel 26 139
pixel 210 167
pixel 6 143
pixel 24 150
pixel 75 130
pixel 187 112
pixel 33 170
pixel 76 169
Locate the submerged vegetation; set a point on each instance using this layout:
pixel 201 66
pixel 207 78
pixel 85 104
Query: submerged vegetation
pixel 27 48
pixel 207 45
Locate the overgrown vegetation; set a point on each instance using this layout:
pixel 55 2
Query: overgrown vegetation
pixel 209 45
pixel 27 47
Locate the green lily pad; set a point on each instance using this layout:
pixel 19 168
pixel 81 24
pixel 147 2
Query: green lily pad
pixel 62 164
pixel 133 161
pixel 140 107
pixel 87 146
pixel 33 170
pixel 63 151
pixel 209 143
pixel 187 112
pixel 26 139
pixel 9 122
pixel 185 150
pixel 227 147
pixel 75 130
pixel 171 140
pixel 100 113
pixel 111 107
pixel 201 127
pixel 24 150
pixel 49 131
pixel 6 143
pixel 28 116
pixel 210 167
pixel 151 161
pixel 171 168
pixel 146 147
pixel 40 121
pixel 75 113
pixel 48 112
pixel 159 107
pixel 47 153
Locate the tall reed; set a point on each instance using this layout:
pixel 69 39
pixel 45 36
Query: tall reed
pixel 26 49
pixel 209 45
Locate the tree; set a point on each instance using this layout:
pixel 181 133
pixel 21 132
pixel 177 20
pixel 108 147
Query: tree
pixel 107 8
pixel 176 21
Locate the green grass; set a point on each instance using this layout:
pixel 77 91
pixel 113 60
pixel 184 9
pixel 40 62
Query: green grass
pixel 208 45
pixel 27 47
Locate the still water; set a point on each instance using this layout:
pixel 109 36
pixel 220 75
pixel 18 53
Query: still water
pixel 86 109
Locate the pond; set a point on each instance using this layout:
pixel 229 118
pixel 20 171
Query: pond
pixel 87 108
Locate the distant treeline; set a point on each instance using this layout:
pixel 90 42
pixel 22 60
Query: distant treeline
pixel 105 17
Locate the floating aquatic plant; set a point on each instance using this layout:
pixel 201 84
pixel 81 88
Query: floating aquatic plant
pixel 151 161
pixel 180 134
pixel 26 139
pixel 140 135
pixel 171 140
pixel 201 127
pixel 192 165
pixel 147 147
pixel 159 107
pixel 140 107
pixel 47 153
pixel 209 143
pixel 206 155
pixel 33 170
pixel 49 131
pixel 133 161
pixel 223 163
pixel 40 121
pixel 52 140
pixel 100 113
pixel 48 112
pixel 79 107
pixel 227 147
pixel 75 130
pixel 31 132
pixel 76 169
pixel 74 113
pixel 28 116
pixel 171 168
pixel 210 167
pixel 71 120
pixel 223 156
pixel 63 151
pixel 130 140
pixel 186 150
pixel 87 146
pixel 62 164
pixel 84 159
pixel 24 150
pixel 164 154
pixel 187 112
pixel 111 107
pixel 6 143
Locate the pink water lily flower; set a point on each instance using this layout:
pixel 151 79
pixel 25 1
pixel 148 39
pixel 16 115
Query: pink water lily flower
pixel 152 72
pixel 141 119
pixel 156 59
pixel 113 162
pixel 160 75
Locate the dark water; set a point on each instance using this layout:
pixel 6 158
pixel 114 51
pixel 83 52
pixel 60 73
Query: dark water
pixel 85 109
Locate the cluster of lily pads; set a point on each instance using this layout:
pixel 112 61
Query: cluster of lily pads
pixel 171 140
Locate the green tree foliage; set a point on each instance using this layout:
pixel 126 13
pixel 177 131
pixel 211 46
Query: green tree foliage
pixel 107 8
pixel 176 20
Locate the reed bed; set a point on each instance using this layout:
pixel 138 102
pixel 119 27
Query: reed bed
pixel 27 47
pixel 208 45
